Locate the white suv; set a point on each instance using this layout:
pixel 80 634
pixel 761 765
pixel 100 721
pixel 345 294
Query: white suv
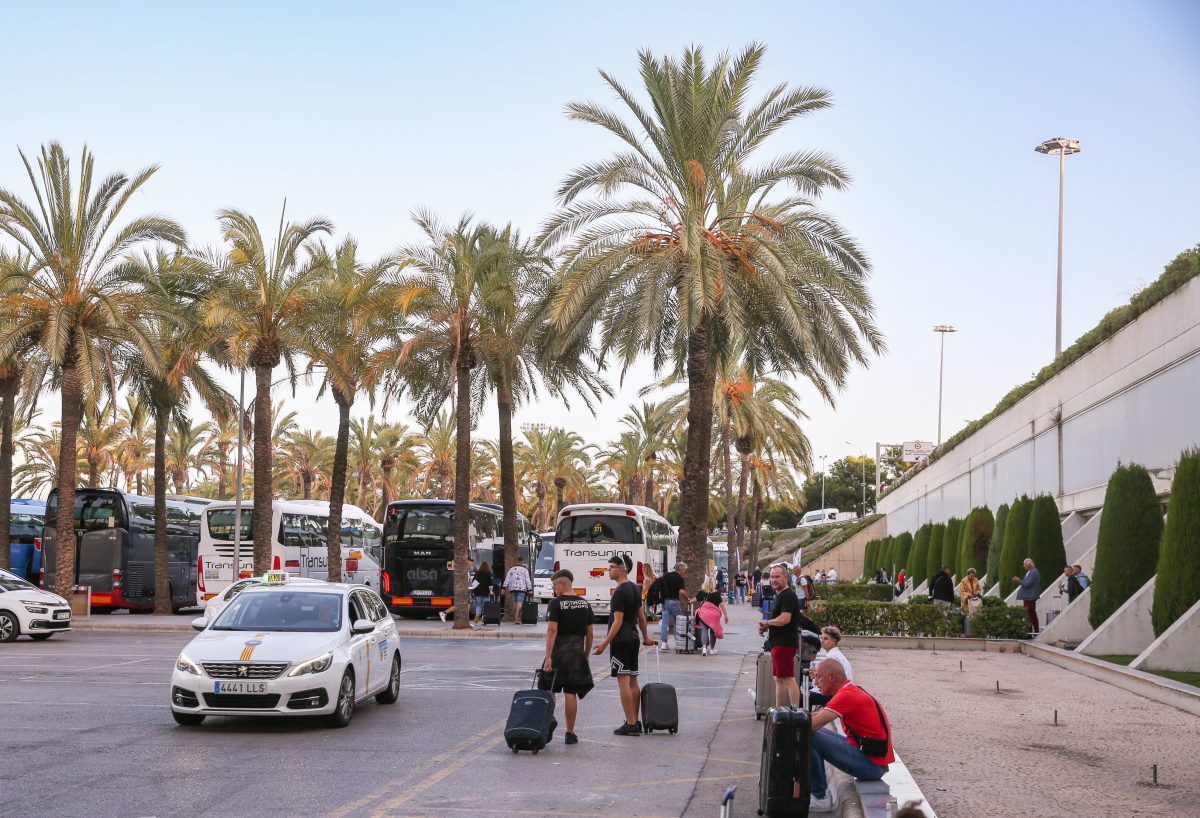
pixel 27 609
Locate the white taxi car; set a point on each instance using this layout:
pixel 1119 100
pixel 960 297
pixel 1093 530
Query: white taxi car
pixel 27 609
pixel 286 648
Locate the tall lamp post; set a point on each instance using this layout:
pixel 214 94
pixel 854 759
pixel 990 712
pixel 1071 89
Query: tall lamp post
pixel 863 455
pixel 1062 147
pixel 823 482
pixel 942 329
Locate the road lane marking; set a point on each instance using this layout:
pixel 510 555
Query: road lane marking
pixel 442 774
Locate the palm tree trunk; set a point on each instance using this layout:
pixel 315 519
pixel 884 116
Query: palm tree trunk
pixel 139 483
pixel 462 489
pixel 727 463
pixel 337 487
pixel 72 403
pixel 222 465
pixel 364 476
pixel 508 474
pixel 162 584
pixel 693 500
pixel 93 470
pixel 385 469
pixel 260 519
pixel 306 482
pixel 758 506
pixel 8 407
pixel 737 534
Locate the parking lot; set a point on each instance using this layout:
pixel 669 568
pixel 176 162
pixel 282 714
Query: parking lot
pixel 88 732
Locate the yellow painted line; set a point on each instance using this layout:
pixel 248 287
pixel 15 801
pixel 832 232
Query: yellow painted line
pixel 383 810
pixel 689 780
pixel 654 749
pixel 475 811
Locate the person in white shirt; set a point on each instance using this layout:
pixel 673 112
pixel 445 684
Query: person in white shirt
pixel 831 576
pixel 830 637
pixel 518 583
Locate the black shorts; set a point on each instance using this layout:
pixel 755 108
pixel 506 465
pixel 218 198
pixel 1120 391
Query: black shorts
pixel 623 654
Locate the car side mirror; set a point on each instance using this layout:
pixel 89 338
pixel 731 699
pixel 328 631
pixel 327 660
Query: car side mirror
pixel 199 623
pixel 361 626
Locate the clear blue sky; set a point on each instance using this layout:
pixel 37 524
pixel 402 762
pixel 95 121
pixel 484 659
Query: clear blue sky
pixel 362 111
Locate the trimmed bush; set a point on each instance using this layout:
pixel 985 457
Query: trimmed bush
pixel 933 562
pixel 1016 545
pixel 867 592
pixel 920 599
pixel 1046 540
pixel 1178 585
pixel 888 619
pixel 975 541
pixel 869 558
pixel 1131 528
pixel 903 547
pixel 950 543
pixel 993 555
pixel 885 554
pixel 1000 622
pixel 918 557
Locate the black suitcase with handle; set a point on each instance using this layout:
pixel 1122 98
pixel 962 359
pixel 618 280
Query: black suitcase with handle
pixel 492 611
pixel 531 720
pixel 784 785
pixel 529 610
pixel 660 704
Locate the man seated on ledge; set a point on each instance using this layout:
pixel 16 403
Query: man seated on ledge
pixel 864 752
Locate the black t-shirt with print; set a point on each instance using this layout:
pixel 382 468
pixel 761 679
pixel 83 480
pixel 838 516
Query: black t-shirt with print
pixel 627 599
pixel 572 613
pixel 785 636
pixel 672 585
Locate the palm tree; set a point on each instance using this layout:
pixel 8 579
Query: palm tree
pixel 307 455
pixel 682 254
pixel 352 313
pixel 75 296
pixel 651 424
pixel 184 450
pixel 260 307
pixel 136 453
pixel 40 451
pixel 393 446
pixel 362 435
pixel 100 432
pixel 548 455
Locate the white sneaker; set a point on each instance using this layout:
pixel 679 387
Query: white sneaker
pixel 824 804
pixel 703 651
pixel 663 646
pixel 442 615
pixel 711 651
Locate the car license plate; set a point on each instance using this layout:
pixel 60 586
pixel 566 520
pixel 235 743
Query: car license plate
pixel 239 687
pixel 62 614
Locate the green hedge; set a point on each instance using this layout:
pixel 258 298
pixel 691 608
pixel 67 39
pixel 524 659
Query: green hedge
pixel 1016 545
pixel 904 544
pixel 975 541
pixel 888 619
pixel 918 557
pixel 1000 622
pixel 1046 540
pixel 1178 585
pixel 933 562
pixel 1131 528
pixel 993 555
pixel 869 558
pixel 950 544
pixel 853 590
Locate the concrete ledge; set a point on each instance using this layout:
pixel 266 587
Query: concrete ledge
pixel 1128 630
pixel 1070 626
pixel 1155 688
pixel 1177 649
pixel 933 643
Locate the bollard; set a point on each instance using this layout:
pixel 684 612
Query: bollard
pixel 997 687
pixel 960 666
pixel 1154 773
pixel 1056 718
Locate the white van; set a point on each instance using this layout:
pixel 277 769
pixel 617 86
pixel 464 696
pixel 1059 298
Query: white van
pixel 588 534
pixel 298 544
pixel 816 517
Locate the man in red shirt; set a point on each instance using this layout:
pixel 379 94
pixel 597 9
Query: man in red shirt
pixel 865 723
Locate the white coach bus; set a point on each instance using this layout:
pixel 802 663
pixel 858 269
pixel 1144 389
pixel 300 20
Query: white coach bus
pixel 588 534
pixel 299 531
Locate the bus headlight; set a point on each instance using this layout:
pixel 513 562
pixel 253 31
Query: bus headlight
pixel 318 665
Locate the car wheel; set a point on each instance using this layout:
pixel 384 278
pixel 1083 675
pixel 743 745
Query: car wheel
pixel 392 692
pixel 10 628
pixel 187 719
pixel 344 710
pixel 41 637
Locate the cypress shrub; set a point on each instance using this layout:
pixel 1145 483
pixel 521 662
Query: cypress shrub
pixel 1131 527
pixel 1016 545
pixel 993 555
pixel 933 562
pixel 868 554
pixel 889 546
pixel 976 539
pixel 950 542
pixel 903 548
pixel 1046 540
pixel 1178 584
pixel 918 557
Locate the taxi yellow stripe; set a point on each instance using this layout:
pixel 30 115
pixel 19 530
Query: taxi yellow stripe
pixel 247 652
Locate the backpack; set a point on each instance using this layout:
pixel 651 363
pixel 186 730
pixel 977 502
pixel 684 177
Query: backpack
pixel 654 596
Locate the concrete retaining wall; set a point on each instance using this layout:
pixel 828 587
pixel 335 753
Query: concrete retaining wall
pixel 1128 631
pixel 1177 649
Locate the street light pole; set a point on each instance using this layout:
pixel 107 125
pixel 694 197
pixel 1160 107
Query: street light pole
pixel 237 503
pixel 1062 147
pixel 863 455
pixel 942 329
pixel 823 482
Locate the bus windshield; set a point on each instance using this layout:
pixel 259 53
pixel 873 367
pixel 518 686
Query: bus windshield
pixel 543 566
pixel 598 528
pixel 220 524
pixel 425 526
pixel 284 610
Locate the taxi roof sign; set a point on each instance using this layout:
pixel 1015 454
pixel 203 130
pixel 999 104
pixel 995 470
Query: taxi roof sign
pixel 275 578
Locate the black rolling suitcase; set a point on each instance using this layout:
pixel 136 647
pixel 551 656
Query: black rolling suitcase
pixel 530 719
pixel 492 610
pixel 784 785
pixel 529 610
pixel 660 705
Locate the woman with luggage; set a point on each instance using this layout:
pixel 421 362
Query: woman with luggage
pixel 482 591
pixel 710 610
pixel 568 645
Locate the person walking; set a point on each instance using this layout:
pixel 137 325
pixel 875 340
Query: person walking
pixel 710 611
pixel 864 752
pixel 625 618
pixel 482 591
pixel 565 667
pixel 941 590
pixel 970 592
pixel 741 587
pixel 1073 586
pixel 517 584
pixel 783 638
pixel 1029 588
pixel 674 591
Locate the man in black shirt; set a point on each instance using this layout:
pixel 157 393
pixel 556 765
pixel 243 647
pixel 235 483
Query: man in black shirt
pixel 626 616
pixel 568 646
pixel 941 590
pixel 784 638
pixel 674 598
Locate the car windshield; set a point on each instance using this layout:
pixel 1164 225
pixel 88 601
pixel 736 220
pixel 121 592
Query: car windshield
pixel 283 610
pixel 12 582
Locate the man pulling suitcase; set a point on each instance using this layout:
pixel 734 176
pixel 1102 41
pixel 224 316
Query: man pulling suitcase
pixel 626 617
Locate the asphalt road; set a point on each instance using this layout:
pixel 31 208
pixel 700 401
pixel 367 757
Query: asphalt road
pixel 85 731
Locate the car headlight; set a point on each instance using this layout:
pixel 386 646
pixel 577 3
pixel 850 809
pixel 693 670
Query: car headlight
pixel 318 665
pixel 34 606
pixel 187 665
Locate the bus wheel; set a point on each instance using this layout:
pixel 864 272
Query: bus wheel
pixel 187 719
pixel 41 637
